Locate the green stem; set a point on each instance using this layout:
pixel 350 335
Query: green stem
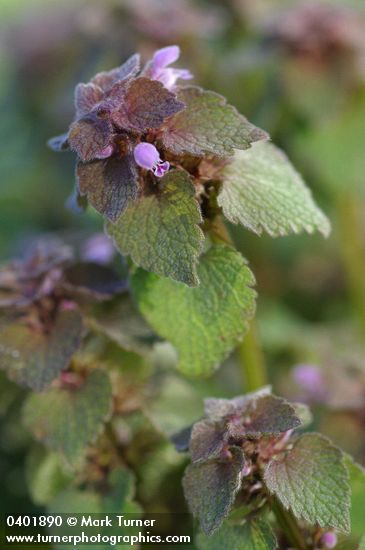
pixel 252 361
pixel 289 526
pixel 352 248
pixel 249 352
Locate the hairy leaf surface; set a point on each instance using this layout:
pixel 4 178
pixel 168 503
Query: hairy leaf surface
pixel 86 97
pixel 89 136
pixel 144 104
pixel 208 126
pixel 160 231
pixel 312 480
pixel 263 191
pixel 128 69
pixel 109 184
pixel 207 440
pixel 267 415
pixel 204 323
pixel 210 489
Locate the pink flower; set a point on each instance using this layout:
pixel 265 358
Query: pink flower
pixel 157 68
pixel 312 382
pixel 147 156
pixel 329 539
pixel 98 249
pixel 308 376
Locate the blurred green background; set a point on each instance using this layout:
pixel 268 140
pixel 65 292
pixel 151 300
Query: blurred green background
pixel 295 69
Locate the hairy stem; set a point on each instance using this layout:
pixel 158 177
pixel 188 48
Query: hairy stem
pixel 252 361
pixel 353 251
pixel 289 526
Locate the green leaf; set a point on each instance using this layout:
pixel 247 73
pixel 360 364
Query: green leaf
pixel 208 126
pixel 203 323
pixel 210 489
pixel 362 543
pixel 68 419
pixel 34 358
pixel 262 191
pixel 46 475
pixel 121 490
pixel 253 535
pixel 116 498
pixel 161 231
pixel 312 480
pixel 109 184
pixel 357 484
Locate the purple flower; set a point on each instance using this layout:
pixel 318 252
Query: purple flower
pixel 98 249
pixel 310 379
pixel 147 156
pixel 329 539
pixel 158 69
pixel 308 376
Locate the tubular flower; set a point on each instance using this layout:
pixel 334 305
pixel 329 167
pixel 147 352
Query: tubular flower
pixel 157 68
pixel 147 156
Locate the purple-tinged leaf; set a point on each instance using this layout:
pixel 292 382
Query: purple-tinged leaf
pixel 89 136
pixel 43 254
pixel 34 358
pixel 86 97
pixel 208 126
pixel 207 440
pixel 312 480
pixel 91 280
pixel 36 275
pixel 210 489
pixel 59 143
pixel 181 439
pixel 216 409
pixel 146 104
pixel 268 415
pixel 109 184
pixel 129 69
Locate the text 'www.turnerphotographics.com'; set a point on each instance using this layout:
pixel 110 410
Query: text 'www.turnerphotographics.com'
pixel 88 529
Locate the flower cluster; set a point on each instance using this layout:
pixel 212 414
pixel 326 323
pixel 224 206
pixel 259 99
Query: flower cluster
pixel 117 110
pixel 43 299
pixel 133 123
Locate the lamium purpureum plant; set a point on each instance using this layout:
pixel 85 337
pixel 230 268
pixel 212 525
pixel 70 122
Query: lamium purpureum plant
pixel 165 163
